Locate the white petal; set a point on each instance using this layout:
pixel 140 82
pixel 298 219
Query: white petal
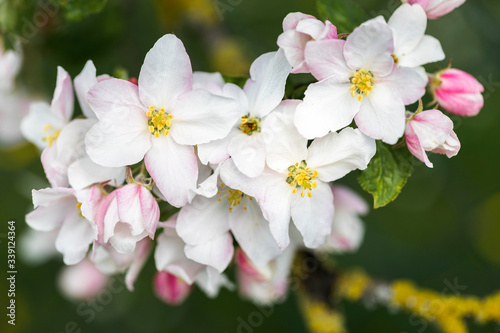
pixel 407 83
pixel 284 145
pixel 409 23
pixel 174 169
pixel 210 281
pixel 200 117
pixel 83 82
pixel 252 232
pixel 313 216
pixel 325 59
pixel 328 106
pixel 428 50
pixel 74 238
pixel 268 73
pixel 248 153
pixel 166 73
pixel 203 220
pixel 119 142
pixel 382 115
pixel 38 119
pixel 370 47
pixel 63 100
pixel 85 172
pixel 337 154
pixel 216 253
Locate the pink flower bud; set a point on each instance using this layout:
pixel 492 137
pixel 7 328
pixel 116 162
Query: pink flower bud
pixel 437 8
pixel 457 92
pixel 170 288
pixel 298 30
pixel 82 281
pixel 431 131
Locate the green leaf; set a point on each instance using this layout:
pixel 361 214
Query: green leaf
pixel 344 14
pixel 75 10
pixel 387 173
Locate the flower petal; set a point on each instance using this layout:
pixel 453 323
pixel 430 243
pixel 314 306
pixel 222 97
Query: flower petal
pixel 216 253
pixel 166 73
pixel 325 59
pixel 83 82
pixel 174 169
pixel 39 123
pixel 428 50
pixel 409 23
pixel 248 153
pixel 337 154
pixel 63 100
pixel 74 238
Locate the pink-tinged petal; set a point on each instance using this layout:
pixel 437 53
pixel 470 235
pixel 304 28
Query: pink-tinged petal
pixel 55 172
pixel 284 145
pixel 346 199
pixel 455 80
pixel 40 123
pixel 370 47
pixel 328 106
pixel 203 220
pixel 123 241
pixel 169 256
pixel 85 172
pixel 312 27
pixel 141 254
pixel 113 95
pixel 216 253
pixel 171 289
pixel 82 281
pixel 200 117
pixel 267 85
pixel 423 3
pixel 258 272
pixel 292 19
pixel 251 231
pixel 428 50
pixel 414 145
pixel 337 154
pixel 121 140
pixel 293 44
pixel 313 216
pixel 107 217
pixel 451 146
pixel 210 281
pixel 432 128
pixel 174 169
pixel 272 192
pixel 438 8
pixel 248 153
pixel 90 199
pixel 382 115
pixel 166 73
pixel 83 82
pixel 407 83
pixel 408 23
pixel 138 208
pixel 63 100
pixel 325 59
pixel 347 232
pixel 74 238
pixel 459 103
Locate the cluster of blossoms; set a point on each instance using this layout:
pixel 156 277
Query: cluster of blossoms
pixel 247 173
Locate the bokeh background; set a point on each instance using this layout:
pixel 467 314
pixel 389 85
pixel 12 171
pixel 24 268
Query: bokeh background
pixel 443 229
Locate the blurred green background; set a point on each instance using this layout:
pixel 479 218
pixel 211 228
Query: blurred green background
pixel 445 226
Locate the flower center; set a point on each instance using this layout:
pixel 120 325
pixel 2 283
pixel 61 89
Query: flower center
pixel 234 197
pixel 52 134
pixel 362 84
pixel 159 121
pixel 250 125
pixel 300 175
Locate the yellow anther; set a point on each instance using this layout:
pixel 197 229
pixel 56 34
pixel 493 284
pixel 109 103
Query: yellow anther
pixel 157 135
pixel 151 129
pixel 309 194
pixel 302 194
pixel 46 128
pixel 244 208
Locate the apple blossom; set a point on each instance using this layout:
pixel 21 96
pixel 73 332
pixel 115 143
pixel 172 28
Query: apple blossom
pixel 295 182
pixel 430 131
pixel 262 93
pixel 44 122
pixel 159 120
pixel 437 8
pixel 10 64
pixel 457 92
pixel 59 209
pixel 358 80
pixel 298 30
